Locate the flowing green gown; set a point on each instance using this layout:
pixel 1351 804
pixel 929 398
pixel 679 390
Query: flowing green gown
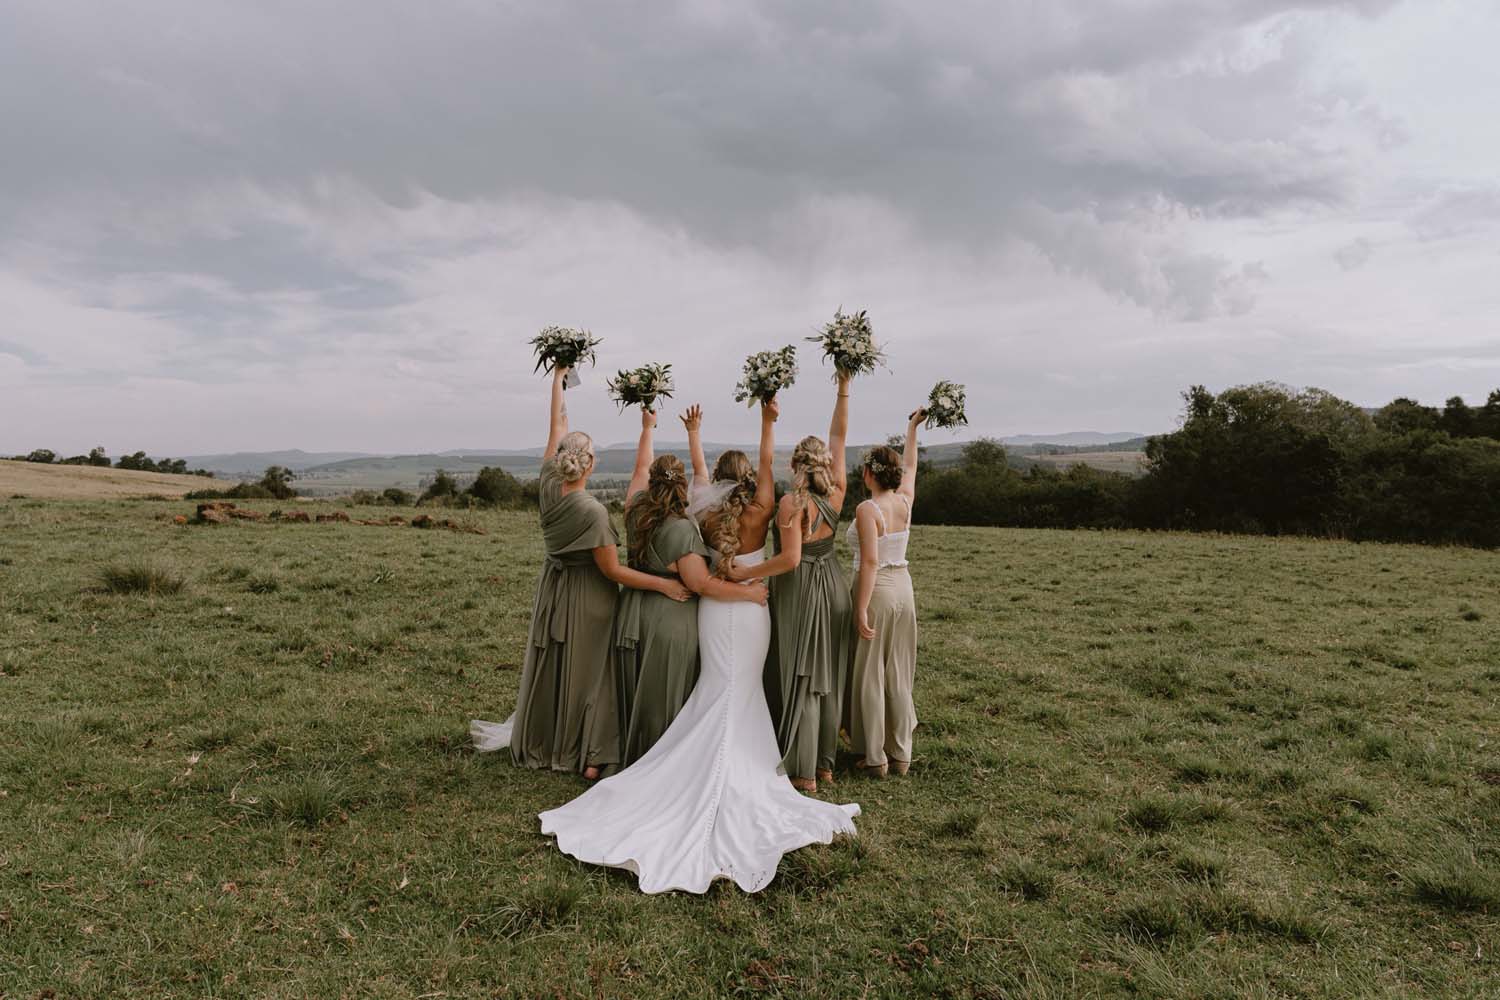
pixel 567 713
pixel 656 639
pixel 814 620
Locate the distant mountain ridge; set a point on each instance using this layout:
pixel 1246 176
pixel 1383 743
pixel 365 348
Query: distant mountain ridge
pixel 256 461
pixel 1073 438
pixel 337 472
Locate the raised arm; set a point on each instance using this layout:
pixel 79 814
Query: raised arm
pixel 838 434
pixel 789 524
pixel 909 455
pixel 607 558
pixel 765 473
pixel 693 421
pixel 557 425
pixel 693 570
pixel 644 455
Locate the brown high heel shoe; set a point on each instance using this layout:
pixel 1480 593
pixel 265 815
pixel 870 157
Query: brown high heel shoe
pixel 806 785
pixel 825 776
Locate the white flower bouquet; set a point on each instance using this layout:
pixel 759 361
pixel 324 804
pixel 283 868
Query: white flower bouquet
pixel 766 374
pixel 563 347
pixel 850 343
pixel 641 386
pixel 945 405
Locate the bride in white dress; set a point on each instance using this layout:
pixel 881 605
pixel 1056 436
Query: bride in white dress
pixel 710 800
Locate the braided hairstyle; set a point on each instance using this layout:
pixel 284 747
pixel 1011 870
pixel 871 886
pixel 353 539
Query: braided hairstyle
pixel 721 525
pixel 575 456
pixel 665 497
pixel 812 472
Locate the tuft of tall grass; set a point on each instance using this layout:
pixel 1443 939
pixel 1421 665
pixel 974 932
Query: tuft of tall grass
pixel 308 801
pixel 1452 878
pixel 140 578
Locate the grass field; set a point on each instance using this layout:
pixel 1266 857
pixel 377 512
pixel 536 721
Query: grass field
pixel 1149 765
pixel 87 482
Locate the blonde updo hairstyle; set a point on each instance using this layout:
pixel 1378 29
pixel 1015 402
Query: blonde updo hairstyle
pixel 812 468
pixel 665 497
pixel 721 525
pixel 575 456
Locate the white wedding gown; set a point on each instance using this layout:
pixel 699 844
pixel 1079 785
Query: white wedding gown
pixel 709 800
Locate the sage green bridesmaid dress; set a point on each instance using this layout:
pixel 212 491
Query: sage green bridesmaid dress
pixel 813 617
pixel 656 640
pixel 567 712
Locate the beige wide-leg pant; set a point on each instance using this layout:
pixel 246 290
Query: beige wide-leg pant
pixel 882 713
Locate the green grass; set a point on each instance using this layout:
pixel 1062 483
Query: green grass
pixel 1149 766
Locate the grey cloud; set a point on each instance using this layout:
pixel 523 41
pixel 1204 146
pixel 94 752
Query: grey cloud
pixel 717 118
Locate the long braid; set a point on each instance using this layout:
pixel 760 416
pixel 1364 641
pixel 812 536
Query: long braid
pixel 721 525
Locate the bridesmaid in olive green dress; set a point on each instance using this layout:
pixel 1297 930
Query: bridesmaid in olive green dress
pixel 810 605
pixel 656 639
pixel 567 712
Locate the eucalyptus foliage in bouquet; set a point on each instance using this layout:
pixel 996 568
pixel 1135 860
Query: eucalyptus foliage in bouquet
pixel 563 347
pixel 849 341
pixel 766 374
pixel 641 386
pixel 945 405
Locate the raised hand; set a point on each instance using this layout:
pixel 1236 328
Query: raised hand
pixel 648 419
pixel 917 416
pixel 693 418
pixel 771 408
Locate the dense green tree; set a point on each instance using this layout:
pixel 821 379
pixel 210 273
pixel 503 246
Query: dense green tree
pixel 985 453
pixel 277 481
pixel 137 462
pixel 1253 458
pixel 1403 416
pixel 45 456
pixel 494 486
pixel 1458 418
pixel 1488 419
pixel 442 488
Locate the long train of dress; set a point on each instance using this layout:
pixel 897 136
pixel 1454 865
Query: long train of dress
pixel 709 800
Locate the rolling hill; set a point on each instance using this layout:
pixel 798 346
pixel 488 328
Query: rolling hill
pixel 87 482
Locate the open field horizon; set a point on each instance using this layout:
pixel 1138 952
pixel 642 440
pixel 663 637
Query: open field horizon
pixel 86 482
pixel 1156 765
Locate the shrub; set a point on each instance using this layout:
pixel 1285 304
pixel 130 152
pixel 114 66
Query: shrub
pixel 397 497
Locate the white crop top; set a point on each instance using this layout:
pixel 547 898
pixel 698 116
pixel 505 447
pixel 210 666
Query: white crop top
pixel 890 547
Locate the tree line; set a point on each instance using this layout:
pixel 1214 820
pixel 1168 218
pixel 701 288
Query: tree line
pixel 1259 459
pixel 138 462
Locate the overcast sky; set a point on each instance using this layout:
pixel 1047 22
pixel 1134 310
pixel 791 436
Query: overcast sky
pixel 334 225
